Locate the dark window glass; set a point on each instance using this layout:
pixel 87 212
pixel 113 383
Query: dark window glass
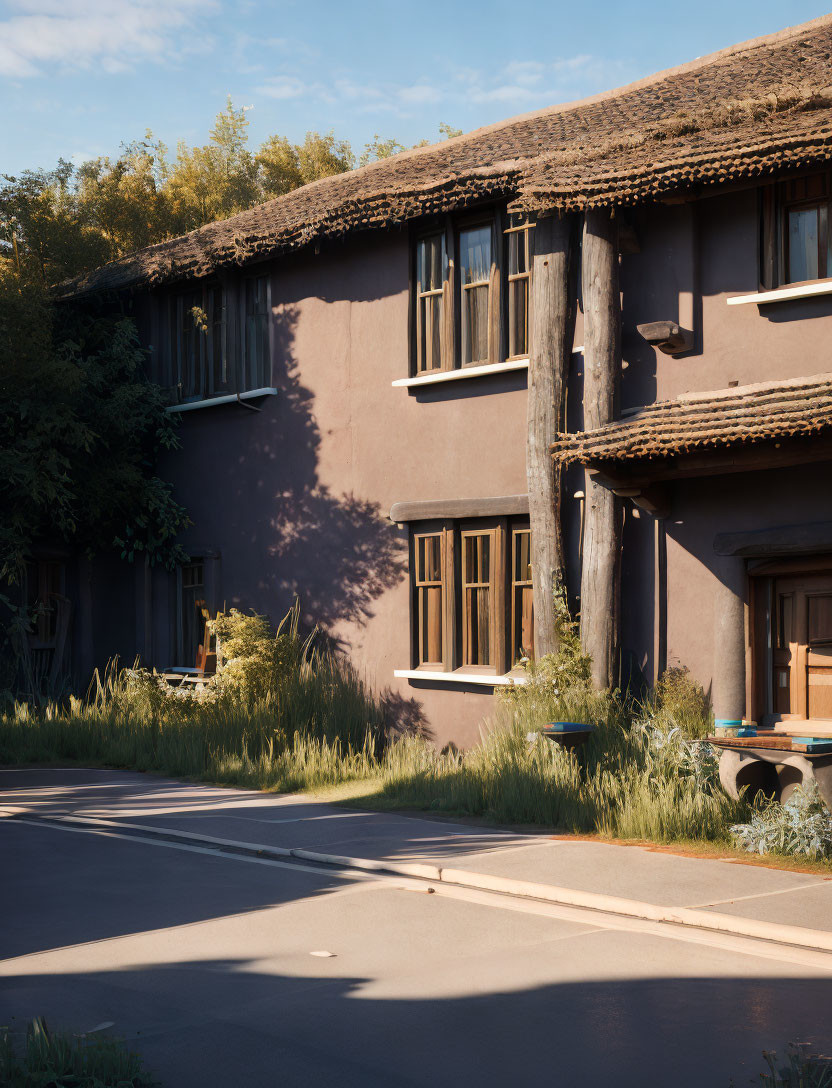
pixel 431 272
pixel 257 362
pixel 475 273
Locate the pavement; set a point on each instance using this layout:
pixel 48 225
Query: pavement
pixel 204 958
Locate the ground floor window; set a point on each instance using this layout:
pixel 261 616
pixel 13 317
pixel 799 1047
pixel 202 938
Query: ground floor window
pixel 472 595
pixel 792 633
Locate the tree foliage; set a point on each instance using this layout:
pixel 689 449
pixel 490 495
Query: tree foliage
pixel 81 428
pixel 57 223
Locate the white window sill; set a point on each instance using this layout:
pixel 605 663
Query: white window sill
pixel 783 294
pixel 462 373
pixel 488 679
pixel 230 398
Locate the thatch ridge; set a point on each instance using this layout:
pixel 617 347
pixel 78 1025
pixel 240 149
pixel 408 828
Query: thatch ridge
pixel 723 418
pixel 754 108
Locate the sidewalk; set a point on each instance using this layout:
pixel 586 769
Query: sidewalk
pixel 299 823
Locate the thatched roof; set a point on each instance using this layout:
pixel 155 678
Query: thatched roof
pixel 756 108
pixel 695 422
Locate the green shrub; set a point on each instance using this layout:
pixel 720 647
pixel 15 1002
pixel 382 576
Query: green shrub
pixel 47 1059
pixel 801 826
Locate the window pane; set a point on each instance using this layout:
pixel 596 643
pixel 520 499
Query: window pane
pixel 431 624
pixel 523 623
pixel 475 254
pixel 519 310
pixel 430 263
pixel 257 369
pixel 803 244
pixel 478 622
pixel 477 559
pixel 517 255
pixel 475 324
pixel 190 343
pixel 219 373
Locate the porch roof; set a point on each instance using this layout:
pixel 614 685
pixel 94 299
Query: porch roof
pixel 697 422
pixel 753 109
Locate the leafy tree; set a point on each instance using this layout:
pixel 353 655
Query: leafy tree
pixel 81 429
pixel 323 156
pixel 278 165
pixel 43 229
pixel 216 180
pixel 380 148
pixel 126 200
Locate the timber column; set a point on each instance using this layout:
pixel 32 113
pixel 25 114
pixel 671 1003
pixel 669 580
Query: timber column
pixel 600 588
pixel 729 641
pixel 554 293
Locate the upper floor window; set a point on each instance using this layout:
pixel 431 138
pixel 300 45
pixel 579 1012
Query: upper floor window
pixel 518 237
pixel 795 231
pixel 256 355
pixel 472 595
pixel 475 267
pixel 471 293
pixel 431 278
pixel 220 340
pixel 198 354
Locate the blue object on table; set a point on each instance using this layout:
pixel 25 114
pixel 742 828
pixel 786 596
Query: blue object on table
pixel 746 732
pixel 727 723
pixel 567 727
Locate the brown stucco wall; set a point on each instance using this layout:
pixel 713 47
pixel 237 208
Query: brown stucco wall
pixel 294 498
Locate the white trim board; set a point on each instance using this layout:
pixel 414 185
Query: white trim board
pixel 488 679
pixel 783 294
pixel 462 373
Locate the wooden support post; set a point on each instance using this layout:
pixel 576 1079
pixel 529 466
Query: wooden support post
pixel 553 304
pixel 600 574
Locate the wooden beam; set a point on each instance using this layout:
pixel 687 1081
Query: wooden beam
pixel 428 509
pixel 600 574
pixel 780 540
pixel 553 305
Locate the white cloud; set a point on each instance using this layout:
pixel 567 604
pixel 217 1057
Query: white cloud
pixel 515 86
pixel 110 34
pixel 526 84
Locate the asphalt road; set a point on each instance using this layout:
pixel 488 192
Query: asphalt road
pixel 204 962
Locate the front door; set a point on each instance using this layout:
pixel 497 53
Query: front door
pixel 800 641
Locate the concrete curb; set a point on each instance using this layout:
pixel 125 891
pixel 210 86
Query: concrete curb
pixel 796 936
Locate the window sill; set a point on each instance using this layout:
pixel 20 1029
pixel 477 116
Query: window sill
pixel 783 294
pixel 461 373
pixel 488 679
pixel 230 398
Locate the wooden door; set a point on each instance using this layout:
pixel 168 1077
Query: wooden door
pixel 801 647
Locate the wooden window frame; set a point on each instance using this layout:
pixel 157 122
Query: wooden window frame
pixel 515 585
pixel 494 324
pixel 500 531
pixel 452 291
pixel 776 201
pixel 443 292
pixel 525 227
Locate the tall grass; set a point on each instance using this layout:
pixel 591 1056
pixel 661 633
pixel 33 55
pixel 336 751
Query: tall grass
pixel 281 716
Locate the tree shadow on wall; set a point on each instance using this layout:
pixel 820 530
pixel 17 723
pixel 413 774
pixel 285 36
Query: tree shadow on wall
pixel 288 534
pixel 336 553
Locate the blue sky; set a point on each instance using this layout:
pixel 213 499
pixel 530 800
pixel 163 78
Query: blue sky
pixel 77 77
